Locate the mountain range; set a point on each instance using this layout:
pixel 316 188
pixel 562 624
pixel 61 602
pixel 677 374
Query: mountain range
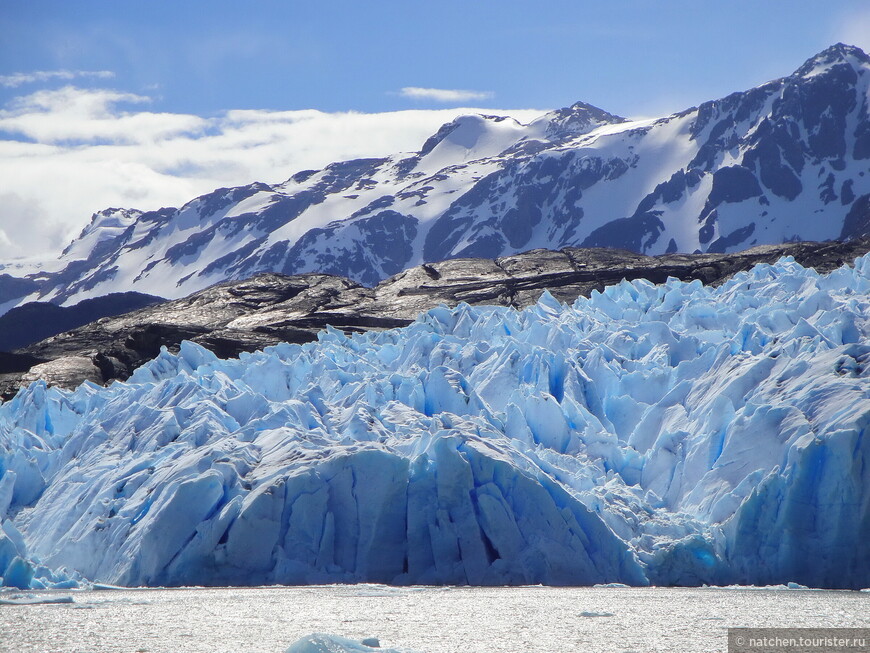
pixel 785 161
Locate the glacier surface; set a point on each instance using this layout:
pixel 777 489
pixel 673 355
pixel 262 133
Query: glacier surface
pixel 670 434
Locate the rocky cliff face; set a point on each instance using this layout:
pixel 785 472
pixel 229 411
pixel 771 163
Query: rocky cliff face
pixel 788 160
pixel 235 317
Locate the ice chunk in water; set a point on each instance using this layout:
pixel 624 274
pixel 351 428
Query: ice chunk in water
pixel 322 643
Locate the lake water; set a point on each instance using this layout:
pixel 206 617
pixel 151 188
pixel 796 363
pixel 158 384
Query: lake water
pixel 425 619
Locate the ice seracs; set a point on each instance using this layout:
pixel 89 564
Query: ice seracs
pixel 670 434
pixel 18 570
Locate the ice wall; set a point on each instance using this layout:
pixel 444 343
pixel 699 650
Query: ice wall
pixel 672 434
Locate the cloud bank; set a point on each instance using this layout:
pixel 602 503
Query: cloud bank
pixel 443 94
pixel 69 152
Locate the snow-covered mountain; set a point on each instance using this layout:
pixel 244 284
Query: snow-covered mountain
pixel 671 434
pixel 787 160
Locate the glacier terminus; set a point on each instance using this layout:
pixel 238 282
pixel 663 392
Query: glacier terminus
pixel 671 434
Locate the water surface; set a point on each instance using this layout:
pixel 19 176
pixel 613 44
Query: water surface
pixel 425 619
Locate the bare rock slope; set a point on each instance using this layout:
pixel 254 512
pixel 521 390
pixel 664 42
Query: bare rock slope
pixel 239 316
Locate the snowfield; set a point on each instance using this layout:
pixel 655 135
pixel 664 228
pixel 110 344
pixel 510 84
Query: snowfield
pixel 671 434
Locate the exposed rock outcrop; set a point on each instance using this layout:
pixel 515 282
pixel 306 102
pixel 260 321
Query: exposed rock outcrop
pixel 234 317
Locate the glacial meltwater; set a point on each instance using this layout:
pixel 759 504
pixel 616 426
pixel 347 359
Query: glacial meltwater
pixel 423 619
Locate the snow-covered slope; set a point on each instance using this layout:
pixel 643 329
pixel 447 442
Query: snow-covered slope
pixel 787 160
pixel 649 434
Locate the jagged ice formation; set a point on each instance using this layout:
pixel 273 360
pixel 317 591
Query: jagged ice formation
pixel 670 434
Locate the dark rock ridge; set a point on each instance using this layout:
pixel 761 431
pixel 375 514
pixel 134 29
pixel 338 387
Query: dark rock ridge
pixel 239 316
pixel 35 321
pixel 788 160
pixel 14 287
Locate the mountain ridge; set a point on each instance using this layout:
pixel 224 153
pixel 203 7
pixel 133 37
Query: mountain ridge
pixel 244 316
pixel 787 160
pixel 35 321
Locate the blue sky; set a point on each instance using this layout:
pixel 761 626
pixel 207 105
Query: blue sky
pixel 144 104
pixel 639 57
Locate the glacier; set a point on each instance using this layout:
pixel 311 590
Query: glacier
pixel 673 434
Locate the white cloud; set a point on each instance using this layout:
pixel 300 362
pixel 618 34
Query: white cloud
pixel 19 79
pixel 72 115
pixel 78 151
pixel 443 94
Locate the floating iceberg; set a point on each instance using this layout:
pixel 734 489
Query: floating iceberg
pixel 322 643
pixel 664 434
pixel 30 599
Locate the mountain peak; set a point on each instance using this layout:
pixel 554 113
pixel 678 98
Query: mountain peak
pixel 475 131
pixel 838 53
pixel 104 225
pixel 577 119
